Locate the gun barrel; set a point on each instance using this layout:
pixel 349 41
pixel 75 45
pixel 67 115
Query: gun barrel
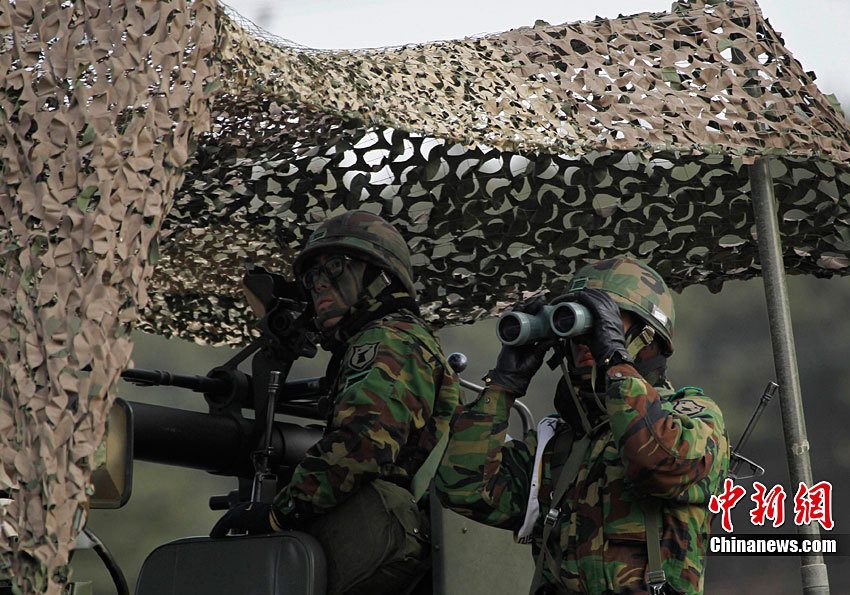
pixel 304 388
pixel 220 444
pixel 221 383
pixel 769 391
pixel 200 384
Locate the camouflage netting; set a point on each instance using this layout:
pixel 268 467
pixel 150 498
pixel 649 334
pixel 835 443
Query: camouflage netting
pixel 98 104
pixel 509 160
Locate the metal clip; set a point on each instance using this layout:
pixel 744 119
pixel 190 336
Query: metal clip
pixel 552 517
pixel 655 581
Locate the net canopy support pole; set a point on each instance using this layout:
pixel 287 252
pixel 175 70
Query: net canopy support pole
pixel 813 569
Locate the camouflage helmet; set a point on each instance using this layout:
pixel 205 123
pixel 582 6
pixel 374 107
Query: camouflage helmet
pixel 634 287
pixel 366 237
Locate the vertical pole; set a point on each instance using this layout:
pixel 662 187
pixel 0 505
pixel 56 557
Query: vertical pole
pixel 814 575
pixel 438 543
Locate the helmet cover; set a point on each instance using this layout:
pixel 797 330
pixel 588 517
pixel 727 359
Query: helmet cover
pixel 636 288
pixel 365 237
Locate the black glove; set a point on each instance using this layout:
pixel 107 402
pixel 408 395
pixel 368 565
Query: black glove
pixel 606 339
pixel 254 517
pixel 516 364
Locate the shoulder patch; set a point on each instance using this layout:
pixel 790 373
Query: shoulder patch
pixel 362 355
pixel 687 407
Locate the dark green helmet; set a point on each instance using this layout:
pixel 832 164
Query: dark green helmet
pixel 363 236
pixel 634 287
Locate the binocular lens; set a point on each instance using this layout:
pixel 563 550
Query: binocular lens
pixel 569 319
pixel 509 329
pixel 563 320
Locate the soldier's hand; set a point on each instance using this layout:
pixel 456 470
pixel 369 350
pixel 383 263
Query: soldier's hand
pixel 256 518
pixel 517 364
pixel 606 340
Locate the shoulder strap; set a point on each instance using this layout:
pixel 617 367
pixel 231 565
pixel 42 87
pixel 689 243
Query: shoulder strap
pixel 566 477
pixel 549 428
pixel 562 448
pixel 426 472
pixel 428 469
pixel 655 579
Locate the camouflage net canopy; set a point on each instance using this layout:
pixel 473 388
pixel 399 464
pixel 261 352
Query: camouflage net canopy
pixel 99 103
pixel 508 161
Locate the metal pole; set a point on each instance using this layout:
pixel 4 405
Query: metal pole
pixel 814 575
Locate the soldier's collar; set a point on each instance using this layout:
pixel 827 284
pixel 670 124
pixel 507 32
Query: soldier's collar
pixel 364 312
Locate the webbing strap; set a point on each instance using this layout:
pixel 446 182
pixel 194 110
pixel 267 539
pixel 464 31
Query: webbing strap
pixel 380 283
pixel 655 579
pixel 566 477
pixel 585 423
pixel 640 341
pixel 426 472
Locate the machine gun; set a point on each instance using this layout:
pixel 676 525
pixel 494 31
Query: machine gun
pixel 224 441
pixel 259 452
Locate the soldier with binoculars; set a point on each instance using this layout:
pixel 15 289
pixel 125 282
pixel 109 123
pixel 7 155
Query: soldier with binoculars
pixel 613 491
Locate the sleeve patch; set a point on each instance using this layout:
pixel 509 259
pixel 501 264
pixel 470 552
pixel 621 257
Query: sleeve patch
pixel 362 355
pixel 353 379
pixel 687 407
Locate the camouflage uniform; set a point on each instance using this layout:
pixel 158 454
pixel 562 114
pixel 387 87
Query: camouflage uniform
pixel 393 394
pixel 659 444
pixel 392 400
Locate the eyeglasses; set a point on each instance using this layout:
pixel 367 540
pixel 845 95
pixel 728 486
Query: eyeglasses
pixel 332 269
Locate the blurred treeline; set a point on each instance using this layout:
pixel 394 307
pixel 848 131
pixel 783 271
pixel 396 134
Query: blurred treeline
pixel 722 345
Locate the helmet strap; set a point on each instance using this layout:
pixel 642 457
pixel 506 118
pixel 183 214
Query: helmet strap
pixel 652 369
pixel 379 284
pixel 637 338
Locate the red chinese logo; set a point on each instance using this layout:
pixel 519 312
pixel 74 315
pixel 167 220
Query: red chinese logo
pixel 726 501
pixel 814 504
pixel 811 505
pixel 769 505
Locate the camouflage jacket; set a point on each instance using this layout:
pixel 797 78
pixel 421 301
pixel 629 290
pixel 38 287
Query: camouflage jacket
pixel 673 449
pixel 392 401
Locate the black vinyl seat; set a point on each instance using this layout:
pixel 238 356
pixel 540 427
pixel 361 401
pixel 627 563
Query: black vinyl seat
pixel 290 563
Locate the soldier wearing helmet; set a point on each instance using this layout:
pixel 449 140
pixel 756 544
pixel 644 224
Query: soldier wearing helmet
pixel 392 397
pixel 351 258
pixel 613 492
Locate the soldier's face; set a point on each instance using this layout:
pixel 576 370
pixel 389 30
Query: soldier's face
pixel 334 295
pixel 581 353
pixel 584 360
